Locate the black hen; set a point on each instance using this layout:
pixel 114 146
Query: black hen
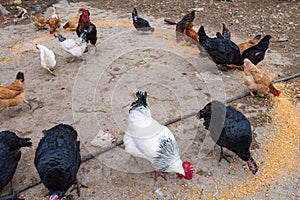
pixel 257 52
pixel 139 23
pixel 180 26
pixel 57 159
pixel 220 49
pixel 229 128
pixel 10 155
pixel 87 27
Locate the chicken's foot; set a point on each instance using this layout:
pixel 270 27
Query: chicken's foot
pixel 77 186
pixel 71 59
pixel 51 71
pixel 27 102
pixel 161 174
pixel 224 156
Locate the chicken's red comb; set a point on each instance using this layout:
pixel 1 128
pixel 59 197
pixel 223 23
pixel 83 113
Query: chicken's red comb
pixel 188 170
pixel 82 10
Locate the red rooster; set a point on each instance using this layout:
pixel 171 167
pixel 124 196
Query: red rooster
pixel 86 26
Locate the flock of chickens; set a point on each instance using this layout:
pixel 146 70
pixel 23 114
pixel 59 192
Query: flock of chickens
pixel 57 157
pixel 85 30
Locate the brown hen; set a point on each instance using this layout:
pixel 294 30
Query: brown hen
pixel 257 80
pixel 13 94
pixel 53 21
pixel 191 33
pixel 73 22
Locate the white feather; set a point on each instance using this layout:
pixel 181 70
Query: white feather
pixel 47 57
pixel 75 47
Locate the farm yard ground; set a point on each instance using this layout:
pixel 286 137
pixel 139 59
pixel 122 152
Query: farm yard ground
pixel 94 96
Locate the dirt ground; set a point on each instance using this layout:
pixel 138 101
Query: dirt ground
pixel 94 96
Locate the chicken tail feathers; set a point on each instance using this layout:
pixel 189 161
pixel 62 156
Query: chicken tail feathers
pixel 134 15
pixel 264 42
pixel 61 38
pixel 191 16
pixel 202 35
pixel 225 32
pixel 20 76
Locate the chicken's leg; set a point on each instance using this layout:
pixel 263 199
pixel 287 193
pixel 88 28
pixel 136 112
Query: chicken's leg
pixel 77 186
pixel 27 102
pixel 159 173
pixel 223 156
pixel 51 71
pixel 71 59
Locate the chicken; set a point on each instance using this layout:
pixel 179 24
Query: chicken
pixel 13 94
pixel 257 52
pixel 191 33
pixel 39 22
pixel 73 22
pixel 57 159
pixel 181 25
pixel 22 14
pixel 10 155
pixel 53 21
pixel 139 23
pixel 147 139
pixel 86 26
pixel 47 58
pixel 258 81
pixel 229 128
pixel 221 50
pixel 246 45
pixel 75 47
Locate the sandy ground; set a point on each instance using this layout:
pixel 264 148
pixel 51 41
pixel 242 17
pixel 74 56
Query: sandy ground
pixel 94 96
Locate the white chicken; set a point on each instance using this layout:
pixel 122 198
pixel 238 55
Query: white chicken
pixel 75 47
pixel 47 58
pixel 148 139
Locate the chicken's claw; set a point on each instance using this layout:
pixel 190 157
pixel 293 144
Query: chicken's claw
pixel 159 173
pixel 223 156
pixel 27 102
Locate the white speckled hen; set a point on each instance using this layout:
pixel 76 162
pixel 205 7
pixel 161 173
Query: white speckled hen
pixel 148 139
